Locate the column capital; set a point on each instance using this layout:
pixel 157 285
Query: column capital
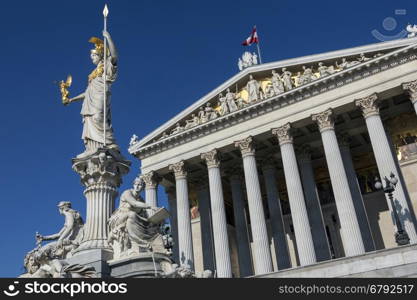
pixel 151 179
pixel 325 120
pixel 211 158
pixel 283 134
pixel 369 105
pixel 411 89
pixel 178 169
pixel 246 146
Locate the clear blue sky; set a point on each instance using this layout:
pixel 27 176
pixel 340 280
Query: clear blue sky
pixel 171 54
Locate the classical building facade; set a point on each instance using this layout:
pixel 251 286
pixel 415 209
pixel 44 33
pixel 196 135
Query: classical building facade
pixel 273 172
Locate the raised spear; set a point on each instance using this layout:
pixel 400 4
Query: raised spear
pixel 105 14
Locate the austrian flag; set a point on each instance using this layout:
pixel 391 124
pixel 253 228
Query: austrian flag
pixel 253 38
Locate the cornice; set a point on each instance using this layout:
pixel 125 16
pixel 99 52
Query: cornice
pixel 297 94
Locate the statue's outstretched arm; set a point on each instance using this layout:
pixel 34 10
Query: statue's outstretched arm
pixel 53 236
pixel 77 98
pixel 112 47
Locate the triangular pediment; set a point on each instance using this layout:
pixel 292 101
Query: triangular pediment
pixel 258 83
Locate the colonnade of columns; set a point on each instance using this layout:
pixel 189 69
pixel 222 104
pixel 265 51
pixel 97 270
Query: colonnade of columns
pixel 307 219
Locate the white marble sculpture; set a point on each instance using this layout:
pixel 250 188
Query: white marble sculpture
pixel 253 87
pixel 230 100
pixel 286 78
pixel 70 235
pixel 224 109
pixel 194 121
pixel 240 64
pixel 47 261
pixel 412 30
pixel 210 112
pixel 133 140
pixel 277 84
pixel 130 230
pixel 178 128
pixel 325 70
pixel 343 65
pixel 363 58
pixel 307 76
pixel 254 58
pixel 93 98
pixel 248 59
pixel 185 271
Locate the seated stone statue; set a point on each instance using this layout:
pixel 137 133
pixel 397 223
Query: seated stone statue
pixel 130 231
pixel 70 235
pixel 49 260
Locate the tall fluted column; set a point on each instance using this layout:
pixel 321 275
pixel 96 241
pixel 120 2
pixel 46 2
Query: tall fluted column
pixel 218 214
pixel 101 173
pixel 242 234
pixel 203 196
pixel 172 202
pixel 385 160
pixel 262 253
pixel 298 208
pixel 185 239
pixel 411 88
pixel 275 215
pixel 315 215
pixel 151 183
pixel 350 230
pixel 367 238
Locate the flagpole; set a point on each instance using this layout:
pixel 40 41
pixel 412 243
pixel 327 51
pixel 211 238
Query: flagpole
pixel 257 45
pixel 105 13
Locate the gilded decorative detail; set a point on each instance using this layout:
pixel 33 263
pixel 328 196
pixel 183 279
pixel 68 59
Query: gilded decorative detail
pixel 246 146
pixel 211 158
pixel 256 90
pixel 411 88
pixel 369 105
pixel 324 120
pixel 179 169
pixel 283 134
pixel 63 86
pixel 97 72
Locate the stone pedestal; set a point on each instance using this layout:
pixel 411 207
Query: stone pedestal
pixel 144 265
pixel 101 174
pixel 96 258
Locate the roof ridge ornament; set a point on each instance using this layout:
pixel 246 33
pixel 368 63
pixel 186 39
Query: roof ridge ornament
pixel 412 30
pixel 247 60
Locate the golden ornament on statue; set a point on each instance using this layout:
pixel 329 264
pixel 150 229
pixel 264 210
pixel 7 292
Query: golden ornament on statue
pixel 63 86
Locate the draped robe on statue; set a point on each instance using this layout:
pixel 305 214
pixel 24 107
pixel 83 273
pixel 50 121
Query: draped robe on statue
pixel 93 108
